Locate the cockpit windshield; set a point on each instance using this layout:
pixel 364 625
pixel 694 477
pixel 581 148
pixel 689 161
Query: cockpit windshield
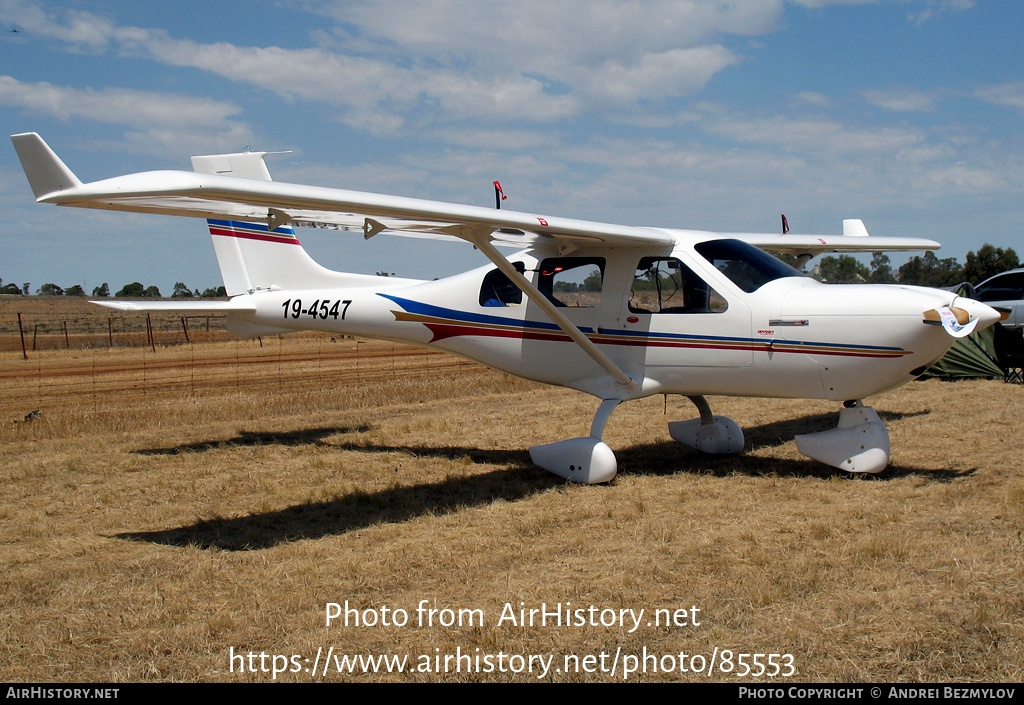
pixel 746 266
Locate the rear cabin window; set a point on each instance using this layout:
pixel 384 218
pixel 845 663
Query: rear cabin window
pixel 666 285
pixel 572 281
pixel 498 290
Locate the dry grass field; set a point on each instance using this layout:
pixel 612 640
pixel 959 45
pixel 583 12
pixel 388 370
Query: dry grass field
pixel 166 511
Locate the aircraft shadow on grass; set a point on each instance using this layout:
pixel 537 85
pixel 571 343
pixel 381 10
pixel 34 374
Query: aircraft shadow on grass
pixel 518 480
pixel 306 436
pixel 358 510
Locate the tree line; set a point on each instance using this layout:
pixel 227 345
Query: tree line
pixel 924 270
pixel 135 290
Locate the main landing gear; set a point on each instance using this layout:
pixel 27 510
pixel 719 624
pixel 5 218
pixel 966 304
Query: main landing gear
pixel 859 443
pixel 587 460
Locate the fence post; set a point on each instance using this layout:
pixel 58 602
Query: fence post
pixel 21 329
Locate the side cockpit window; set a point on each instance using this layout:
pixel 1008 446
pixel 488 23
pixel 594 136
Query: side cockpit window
pixel 498 290
pixel 572 281
pixel 666 285
pixel 746 266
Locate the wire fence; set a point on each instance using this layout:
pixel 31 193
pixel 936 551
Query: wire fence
pixel 32 331
pixel 113 364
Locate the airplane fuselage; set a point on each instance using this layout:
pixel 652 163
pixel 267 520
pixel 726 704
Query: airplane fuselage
pixel 790 337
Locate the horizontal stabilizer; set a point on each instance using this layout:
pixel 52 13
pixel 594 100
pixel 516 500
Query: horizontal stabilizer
pixel 236 308
pixel 235 305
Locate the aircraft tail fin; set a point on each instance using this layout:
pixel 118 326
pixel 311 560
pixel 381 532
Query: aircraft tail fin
pixel 45 171
pixel 253 256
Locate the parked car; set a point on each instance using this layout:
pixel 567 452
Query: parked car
pixel 1005 290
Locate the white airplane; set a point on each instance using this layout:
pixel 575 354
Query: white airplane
pixel 618 312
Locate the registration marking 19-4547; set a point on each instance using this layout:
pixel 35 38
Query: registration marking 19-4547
pixel 321 308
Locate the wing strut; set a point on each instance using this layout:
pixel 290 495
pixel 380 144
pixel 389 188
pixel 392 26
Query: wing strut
pixel 481 237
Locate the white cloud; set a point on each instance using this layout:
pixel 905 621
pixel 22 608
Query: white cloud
pixel 1010 95
pixel 902 99
pixel 822 136
pixel 497 139
pixel 458 59
pixel 605 53
pixel 82 29
pixel 728 166
pixel 667 74
pixel 816 4
pixel 550 38
pixel 934 7
pixel 813 98
pixel 938 7
pixel 157 120
pixel 964 177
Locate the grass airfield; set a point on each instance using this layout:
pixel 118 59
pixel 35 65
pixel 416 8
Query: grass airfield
pixel 167 511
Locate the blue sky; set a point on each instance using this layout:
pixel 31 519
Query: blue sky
pixel 697 114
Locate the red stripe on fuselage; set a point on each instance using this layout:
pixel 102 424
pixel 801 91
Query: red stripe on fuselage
pixel 445 330
pixel 454 330
pixel 283 239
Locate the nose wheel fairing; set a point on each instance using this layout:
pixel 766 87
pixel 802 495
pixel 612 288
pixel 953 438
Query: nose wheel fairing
pixel 859 443
pixel 715 435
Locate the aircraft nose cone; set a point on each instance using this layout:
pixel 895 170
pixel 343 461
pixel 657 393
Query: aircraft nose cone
pixel 985 314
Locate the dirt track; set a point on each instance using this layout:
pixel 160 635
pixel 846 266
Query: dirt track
pixel 371 355
pixel 77 379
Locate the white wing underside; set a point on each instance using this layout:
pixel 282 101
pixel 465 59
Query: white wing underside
pixel 216 195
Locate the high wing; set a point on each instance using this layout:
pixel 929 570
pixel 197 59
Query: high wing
pixel 255 198
pixel 854 239
pixel 276 203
